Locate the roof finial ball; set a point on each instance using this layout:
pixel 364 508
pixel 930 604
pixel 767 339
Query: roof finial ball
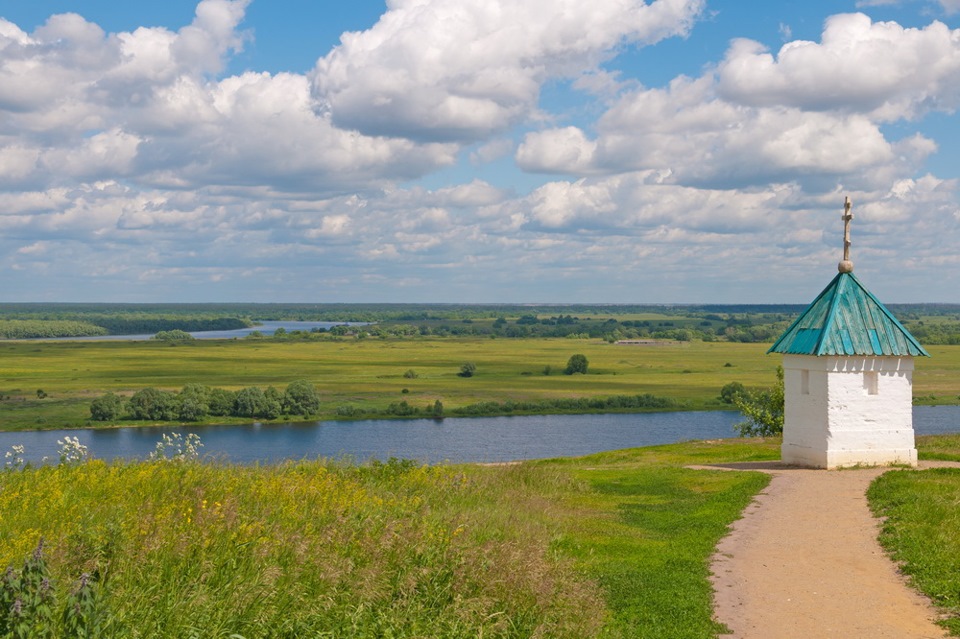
pixel 845 265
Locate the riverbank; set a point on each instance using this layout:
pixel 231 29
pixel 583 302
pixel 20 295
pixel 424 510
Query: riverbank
pixel 616 544
pixel 51 384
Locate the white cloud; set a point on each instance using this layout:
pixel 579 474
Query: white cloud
pixel 81 105
pixel 877 68
pixel 565 150
pixel 127 158
pixel 698 137
pixel 438 70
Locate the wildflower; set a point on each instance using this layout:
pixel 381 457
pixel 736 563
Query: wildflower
pixel 71 450
pixel 178 448
pixel 14 457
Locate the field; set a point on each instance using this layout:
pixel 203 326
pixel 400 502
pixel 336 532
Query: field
pixel 615 545
pixel 611 545
pixel 369 373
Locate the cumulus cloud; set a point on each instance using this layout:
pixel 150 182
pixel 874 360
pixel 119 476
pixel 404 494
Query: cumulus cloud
pixel 80 105
pixel 132 155
pixel 877 68
pixel 813 114
pixel 690 131
pixel 438 70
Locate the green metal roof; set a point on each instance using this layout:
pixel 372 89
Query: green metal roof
pixel 846 319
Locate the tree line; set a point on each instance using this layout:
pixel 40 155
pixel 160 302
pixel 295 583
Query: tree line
pixel 197 401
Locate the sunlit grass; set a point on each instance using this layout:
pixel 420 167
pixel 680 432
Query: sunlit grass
pixel 610 545
pixel 921 530
pixel 370 373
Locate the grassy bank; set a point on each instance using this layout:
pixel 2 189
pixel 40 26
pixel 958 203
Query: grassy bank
pixel 921 531
pixel 370 374
pixel 611 545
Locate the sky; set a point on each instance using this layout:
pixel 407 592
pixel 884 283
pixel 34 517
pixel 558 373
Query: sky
pixel 477 151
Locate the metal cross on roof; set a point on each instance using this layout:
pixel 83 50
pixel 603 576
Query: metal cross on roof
pixel 846 266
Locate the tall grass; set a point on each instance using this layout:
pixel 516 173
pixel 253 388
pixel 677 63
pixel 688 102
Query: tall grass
pixel 304 549
pixel 612 545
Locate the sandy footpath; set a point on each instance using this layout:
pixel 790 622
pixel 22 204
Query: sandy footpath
pixel 804 562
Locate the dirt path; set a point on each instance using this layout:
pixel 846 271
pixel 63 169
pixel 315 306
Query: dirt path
pixel 804 563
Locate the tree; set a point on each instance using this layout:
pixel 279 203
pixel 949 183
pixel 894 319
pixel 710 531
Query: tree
pixel 255 402
pixel 106 408
pixel 467 370
pixel 193 403
pixel 220 402
pixel 437 411
pixel 763 410
pixel 274 403
pixel 576 364
pixel 730 391
pixel 153 404
pixel 249 402
pixel 301 398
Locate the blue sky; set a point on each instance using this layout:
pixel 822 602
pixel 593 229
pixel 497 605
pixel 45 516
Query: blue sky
pixel 675 151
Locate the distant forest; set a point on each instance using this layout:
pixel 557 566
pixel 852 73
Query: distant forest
pixel 930 323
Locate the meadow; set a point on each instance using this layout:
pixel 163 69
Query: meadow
pixel 615 544
pixel 611 545
pixel 370 374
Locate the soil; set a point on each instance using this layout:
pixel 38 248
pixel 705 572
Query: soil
pixel 804 563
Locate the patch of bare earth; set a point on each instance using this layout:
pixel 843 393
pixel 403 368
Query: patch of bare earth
pixel 804 563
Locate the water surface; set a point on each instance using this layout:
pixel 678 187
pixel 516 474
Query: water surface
pixel 473 439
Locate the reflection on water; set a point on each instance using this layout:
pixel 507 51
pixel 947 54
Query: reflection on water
pixel 267 328
pixel 476 439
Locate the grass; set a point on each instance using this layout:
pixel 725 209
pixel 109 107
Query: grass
pixel 921 531
pixel 610 545
pixel 921 524
pixel 369 373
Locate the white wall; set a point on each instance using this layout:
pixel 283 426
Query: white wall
pixel 844 411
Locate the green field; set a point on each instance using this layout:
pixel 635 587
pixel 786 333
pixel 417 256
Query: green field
pixel 369 373
pixel 610 545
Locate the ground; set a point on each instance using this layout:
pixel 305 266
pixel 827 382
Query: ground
pixel 804 562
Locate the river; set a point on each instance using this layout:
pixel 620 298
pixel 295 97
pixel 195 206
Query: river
pixel 266 328
pixel 461 439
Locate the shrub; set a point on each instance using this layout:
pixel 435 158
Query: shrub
pixel 410 374
pixel 763 410
pixel 730 391
pixel 468 370
pixel 401 409
pixel 301 398
pixel 258 403
pixel 220 402
pixel 107 408
pixel 193 402
pixel 576 364
pixel 176 335
pixel 153 404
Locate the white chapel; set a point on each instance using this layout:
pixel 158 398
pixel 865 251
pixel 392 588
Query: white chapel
pixel 848 378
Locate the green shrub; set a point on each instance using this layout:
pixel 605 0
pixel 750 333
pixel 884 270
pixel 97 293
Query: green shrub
pixel 301 398
pixel 153 404
pixel 106 408
pixel 576 364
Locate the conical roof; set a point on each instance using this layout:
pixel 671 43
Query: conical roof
pixel 846 319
